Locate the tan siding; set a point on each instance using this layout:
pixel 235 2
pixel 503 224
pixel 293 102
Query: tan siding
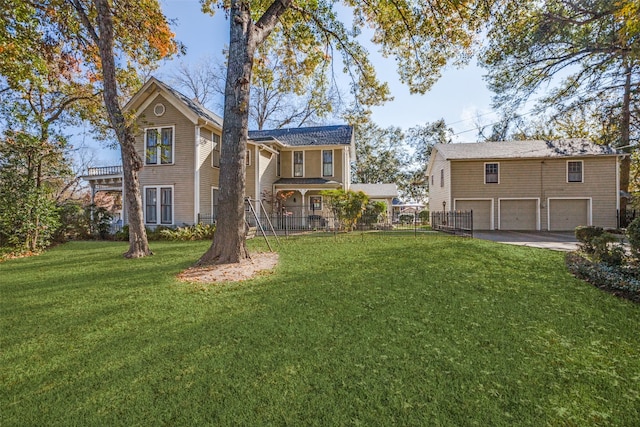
pixel 250 183
pixel 312 163
pixel 267 172
pixel 541 179
pixel 208 175
pixel 438 194
pixel 286 163
pixel 340 156
pixel 181 173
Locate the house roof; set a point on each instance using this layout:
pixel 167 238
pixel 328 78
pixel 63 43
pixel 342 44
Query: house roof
pixel 307 136
pixel 193 107
pixel 524 149
pixel 192 104
pixel 383 191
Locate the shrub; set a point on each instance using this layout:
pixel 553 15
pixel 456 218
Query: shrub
pixel 424 216
pixel 406 218
pixel 193 232
pixel 608 249
pixel 624 282
pixel 633 234
pixel 585 235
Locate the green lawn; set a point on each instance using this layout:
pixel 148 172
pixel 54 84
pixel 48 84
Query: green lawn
pixel 355 330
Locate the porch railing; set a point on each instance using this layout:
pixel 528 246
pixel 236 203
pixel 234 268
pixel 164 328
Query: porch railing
pixel 454 222
pixel 104 170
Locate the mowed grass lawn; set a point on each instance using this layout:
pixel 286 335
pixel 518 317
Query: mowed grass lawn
pixel 354 330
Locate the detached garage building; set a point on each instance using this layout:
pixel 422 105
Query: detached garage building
pixel 527 185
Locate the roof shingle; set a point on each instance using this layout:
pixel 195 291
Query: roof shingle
pixel 524 149
pixel 299 137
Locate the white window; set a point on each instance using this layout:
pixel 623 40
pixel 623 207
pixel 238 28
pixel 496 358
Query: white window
pixel 247 158
pixel 298 163
pixel 158 205
pixel 215 154
pixel 278 164
pixel 327 162
pixel 574 171
pixel 159 146
pixel 491 173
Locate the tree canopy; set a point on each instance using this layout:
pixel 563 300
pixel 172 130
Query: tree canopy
pixel 423 36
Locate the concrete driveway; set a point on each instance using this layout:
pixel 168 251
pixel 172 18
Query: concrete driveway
pixel 554 240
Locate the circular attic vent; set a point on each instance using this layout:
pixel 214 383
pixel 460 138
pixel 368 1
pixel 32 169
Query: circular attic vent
pixel 158 110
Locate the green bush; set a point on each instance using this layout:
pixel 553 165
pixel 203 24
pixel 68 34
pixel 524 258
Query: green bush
pixel 608 249
pixel 193 232
pixel 633 234
pixel 585 235
pixel 424 216
pixel 406 218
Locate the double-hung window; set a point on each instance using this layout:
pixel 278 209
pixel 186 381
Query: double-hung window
pixel 159 146
pixel 574 171
pixel 158 205
pixel 298 163
pixel 327 162
pixel 491 173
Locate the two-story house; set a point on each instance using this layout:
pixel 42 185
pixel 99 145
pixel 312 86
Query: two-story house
pixel 527 185
pixel 180 143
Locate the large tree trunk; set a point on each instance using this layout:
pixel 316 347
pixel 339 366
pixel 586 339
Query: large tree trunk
pixel 131 161
pixel 625 141
pixel 229 239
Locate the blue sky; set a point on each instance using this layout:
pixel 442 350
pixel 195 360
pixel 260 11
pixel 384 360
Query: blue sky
pixel 458 97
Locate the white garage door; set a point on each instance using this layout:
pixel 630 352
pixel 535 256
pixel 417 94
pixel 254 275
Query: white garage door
pixel 567 214
pixel 518 214
pixel 481 212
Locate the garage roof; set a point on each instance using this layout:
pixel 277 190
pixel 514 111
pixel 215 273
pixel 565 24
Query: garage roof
pixel 524 149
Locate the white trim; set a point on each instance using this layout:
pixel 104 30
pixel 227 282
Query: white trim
pixel 247 157
pixel 162 107
pixel 581 171
pixel 159 155
pixel 196 176
pixel 256 175
pixel 293 163
pixel 333 163
pixel 589 208
pixel 171 99
pixel 500 199
pixel 484 172
pixel 159 204
pixel 472 199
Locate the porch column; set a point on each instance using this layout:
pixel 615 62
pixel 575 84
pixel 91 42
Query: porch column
pixel 303 210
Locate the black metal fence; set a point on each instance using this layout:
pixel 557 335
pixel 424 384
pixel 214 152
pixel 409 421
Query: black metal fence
pixel 625 218
pixel 294 222
pixel 455 222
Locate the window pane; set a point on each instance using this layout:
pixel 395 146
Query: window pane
pixel 166 149
pixel 491 173
pixel 297 163
pixel 150 205
pixel 151 148
pixel 278 164
pixel 165 206
pixel 575 171
pixel 327 162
